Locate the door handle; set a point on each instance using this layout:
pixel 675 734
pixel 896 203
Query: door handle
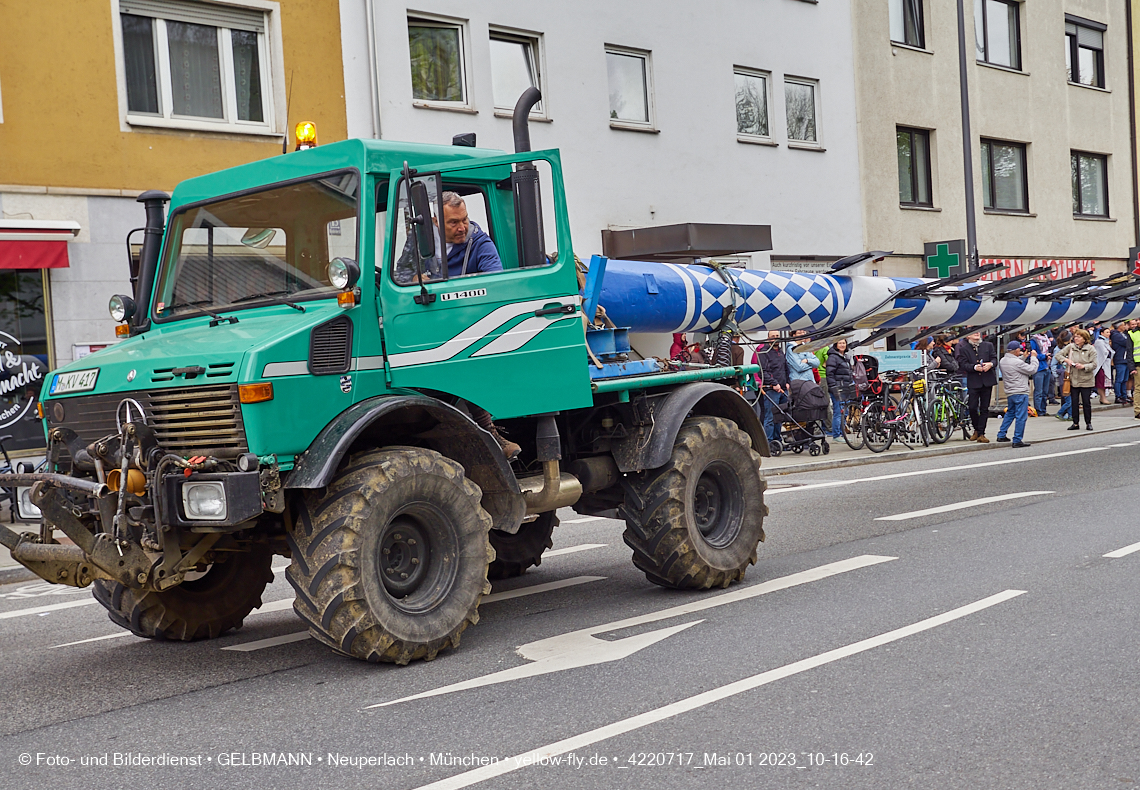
pixel 562 309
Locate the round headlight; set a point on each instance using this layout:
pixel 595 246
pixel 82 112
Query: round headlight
pixel 343 272
pixel 121 307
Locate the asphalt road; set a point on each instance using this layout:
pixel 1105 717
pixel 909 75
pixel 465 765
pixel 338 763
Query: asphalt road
pixel 993 645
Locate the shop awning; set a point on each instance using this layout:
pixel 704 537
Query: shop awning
pixel 35 244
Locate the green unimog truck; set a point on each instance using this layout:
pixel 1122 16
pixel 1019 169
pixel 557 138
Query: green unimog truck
pixel 298 377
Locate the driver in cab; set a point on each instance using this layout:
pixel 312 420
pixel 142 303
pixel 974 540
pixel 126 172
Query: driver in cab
pixel 469 249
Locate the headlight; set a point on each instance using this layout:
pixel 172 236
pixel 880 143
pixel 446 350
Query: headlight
pixel 343 272
pixel 28 511
pixel 121 307
pixel 204 501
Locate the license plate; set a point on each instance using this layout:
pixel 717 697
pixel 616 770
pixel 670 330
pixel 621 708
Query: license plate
pixel 74 381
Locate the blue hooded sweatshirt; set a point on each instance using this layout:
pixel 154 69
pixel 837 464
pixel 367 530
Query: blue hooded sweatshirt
pixel 479 251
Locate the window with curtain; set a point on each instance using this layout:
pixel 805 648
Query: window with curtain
pixel 194 64
pixel 1004 183
pixel 1084 51
pixel 906 23
pixel 997 32
pixel 1090 184
pixel 914 166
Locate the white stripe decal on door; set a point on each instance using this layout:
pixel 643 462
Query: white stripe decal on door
pixel 474 333
pixel 521 334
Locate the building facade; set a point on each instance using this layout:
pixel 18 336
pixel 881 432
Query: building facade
pixel 661 117
pixel 1052 134
pixel 135 95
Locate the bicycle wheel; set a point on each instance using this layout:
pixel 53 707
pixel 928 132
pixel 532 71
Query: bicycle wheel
pixel 918 416
pixel 851 424
pixel 877 435
pixel 941 421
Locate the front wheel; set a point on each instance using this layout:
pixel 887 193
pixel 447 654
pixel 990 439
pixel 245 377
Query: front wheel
pixel 877 435
pixel 697 521
pixel 851 424
pixel 390 560
pixel 941 423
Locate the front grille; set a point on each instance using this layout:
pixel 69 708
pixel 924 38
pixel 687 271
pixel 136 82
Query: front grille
pixel 204 420
pixel 330 347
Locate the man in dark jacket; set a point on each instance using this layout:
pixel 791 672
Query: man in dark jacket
pixel 469 249
pixel 1120 341
pixel 773 380
pixel 977 359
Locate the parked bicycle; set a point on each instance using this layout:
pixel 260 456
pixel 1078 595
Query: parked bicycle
pixel 946 407
pixel 888 419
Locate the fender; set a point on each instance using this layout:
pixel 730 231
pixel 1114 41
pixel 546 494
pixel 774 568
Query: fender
pixel 389 420
pixel 704 398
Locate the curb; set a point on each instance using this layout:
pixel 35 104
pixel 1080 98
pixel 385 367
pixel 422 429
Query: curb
pixel 840 463
pixel 17 574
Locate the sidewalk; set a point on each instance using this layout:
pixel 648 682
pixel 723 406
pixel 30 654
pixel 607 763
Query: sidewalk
pixel 1037 429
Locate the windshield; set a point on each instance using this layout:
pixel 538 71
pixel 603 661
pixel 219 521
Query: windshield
pixel 262 247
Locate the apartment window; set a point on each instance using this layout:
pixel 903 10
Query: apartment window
pixel 906 23
pixel 751 104
pixel 1090 184
pixel 515 66
pixel 437 61
pixel 631 88
pixel 1004 185
pixel 1084 51
pixel 914 166
pixel 800 105
pixel 997 33
pixel 195 65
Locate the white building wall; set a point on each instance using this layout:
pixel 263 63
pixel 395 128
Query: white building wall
pixel 693 169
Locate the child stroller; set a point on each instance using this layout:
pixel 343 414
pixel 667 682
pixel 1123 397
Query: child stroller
pixel 802 423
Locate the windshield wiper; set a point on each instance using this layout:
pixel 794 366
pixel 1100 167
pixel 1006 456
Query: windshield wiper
pixel 273 296
pixel 217 319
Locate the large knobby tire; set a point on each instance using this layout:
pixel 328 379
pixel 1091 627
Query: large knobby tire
pixel 199 608
pixel 696 522
pixel 389 562
pixel 515 553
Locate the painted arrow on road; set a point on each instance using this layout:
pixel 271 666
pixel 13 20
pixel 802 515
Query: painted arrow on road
pixel 582 648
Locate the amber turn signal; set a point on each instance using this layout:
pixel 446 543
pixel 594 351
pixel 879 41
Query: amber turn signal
pixel 40 409
pixel 255 393
pixel 346 298
pixel 122 330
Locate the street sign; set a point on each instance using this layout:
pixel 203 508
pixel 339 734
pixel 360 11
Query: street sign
pixel 1134 260
pixel 944 258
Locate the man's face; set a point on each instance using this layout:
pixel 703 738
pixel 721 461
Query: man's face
pixel 773 335
pixel 455 224
pixel 974 337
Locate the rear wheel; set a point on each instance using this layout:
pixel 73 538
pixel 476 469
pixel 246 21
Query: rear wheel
pixel 515 553
pixel 877 435
pixel 851 424
pixel 696 522
pixel 200 608
pixel 390 560
pixel 941 421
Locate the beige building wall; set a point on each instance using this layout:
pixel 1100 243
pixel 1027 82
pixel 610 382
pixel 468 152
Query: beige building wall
pixel 897 85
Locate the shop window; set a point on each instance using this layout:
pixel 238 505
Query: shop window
pixel 24 360
pixel 196 65
pixel 1090 184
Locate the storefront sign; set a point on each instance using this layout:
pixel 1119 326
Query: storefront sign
pixel 944 258
pixel 1061 267
pixel 21 376
pixel 898 360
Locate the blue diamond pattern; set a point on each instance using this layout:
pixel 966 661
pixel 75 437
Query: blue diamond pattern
pixel 819 315
pixel 795 314
pixel 769 314
pixel 795 290
pixel 819 291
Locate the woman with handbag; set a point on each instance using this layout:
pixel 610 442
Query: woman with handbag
pixel 1061 371
pixel 1080 359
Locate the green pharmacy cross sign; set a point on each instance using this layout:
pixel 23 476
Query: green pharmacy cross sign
pixel 944 258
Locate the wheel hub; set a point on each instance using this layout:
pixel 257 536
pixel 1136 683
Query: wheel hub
pixel 718 504
pixel 404 555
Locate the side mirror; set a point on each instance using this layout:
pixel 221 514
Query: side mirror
pixel 421 208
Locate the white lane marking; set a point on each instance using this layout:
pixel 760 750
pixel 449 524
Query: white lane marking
pixel 572 549
pixel 468 778
pixel 274 606
pixel 930 511
pixel 534 589
pixel 1124 444
pixel 1124 552
pixel 273 641
pixel 581 520
pixel 55 607
pixel 93 639
pixel 581 648
pixel 938 471
pixel 280 568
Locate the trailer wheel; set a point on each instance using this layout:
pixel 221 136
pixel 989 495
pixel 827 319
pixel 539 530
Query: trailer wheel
pixel 390 560
pixel 515 553
pixel 696 522
pixel 201 608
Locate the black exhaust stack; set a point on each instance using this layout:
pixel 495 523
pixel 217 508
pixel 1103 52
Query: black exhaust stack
pixel 142 279
pixel 524 183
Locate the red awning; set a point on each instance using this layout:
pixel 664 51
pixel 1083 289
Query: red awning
pixel 35 244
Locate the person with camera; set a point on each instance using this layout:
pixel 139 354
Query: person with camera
pixel 1017 367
